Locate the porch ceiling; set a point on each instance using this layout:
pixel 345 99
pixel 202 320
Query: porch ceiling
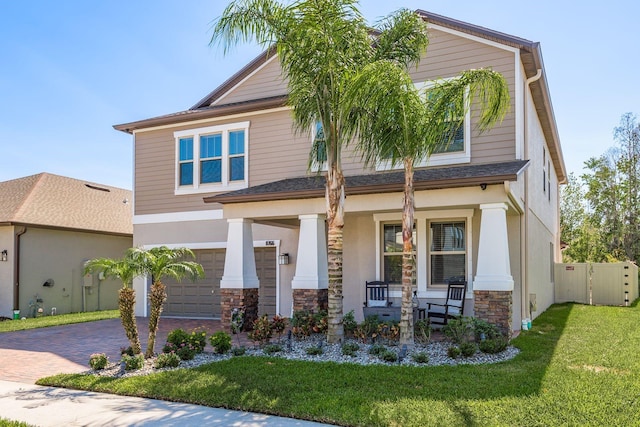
pixel 375 183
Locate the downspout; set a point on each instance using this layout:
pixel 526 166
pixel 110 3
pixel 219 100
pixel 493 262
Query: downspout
pixel 524 222
pixel 19 231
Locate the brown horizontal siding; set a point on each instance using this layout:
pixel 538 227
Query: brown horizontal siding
pixel 266 83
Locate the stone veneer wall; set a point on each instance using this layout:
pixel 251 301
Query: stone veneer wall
pixel 495 307
pixel 310 299
pixel 231 298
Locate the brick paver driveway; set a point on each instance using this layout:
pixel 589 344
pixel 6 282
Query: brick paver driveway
pixel 28 355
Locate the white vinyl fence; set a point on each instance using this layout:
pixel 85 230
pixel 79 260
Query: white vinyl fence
pixel 597 283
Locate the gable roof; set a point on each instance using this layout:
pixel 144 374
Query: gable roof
pixel 530 56
pixel 55 201
pixel 424 179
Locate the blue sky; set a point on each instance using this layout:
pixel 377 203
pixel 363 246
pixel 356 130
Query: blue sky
pixel 71 69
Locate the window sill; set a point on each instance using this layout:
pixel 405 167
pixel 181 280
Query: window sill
pixel 184 191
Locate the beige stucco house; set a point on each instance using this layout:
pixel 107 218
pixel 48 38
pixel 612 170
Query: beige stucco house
pixel 49 226
pixel 228 178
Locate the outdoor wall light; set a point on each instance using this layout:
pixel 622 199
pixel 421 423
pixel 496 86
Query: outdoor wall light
pixel 3 255
pixel 283 259
pixel 48 283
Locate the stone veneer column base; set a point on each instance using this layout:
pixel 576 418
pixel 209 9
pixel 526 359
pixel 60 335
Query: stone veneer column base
pixel 310 299
pixel 495 307
pixel 231 298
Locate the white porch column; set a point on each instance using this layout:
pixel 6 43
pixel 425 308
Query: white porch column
pixel 311 261
pixel 240 261
pixel 493 272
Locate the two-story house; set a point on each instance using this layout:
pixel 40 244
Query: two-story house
pixel 228 178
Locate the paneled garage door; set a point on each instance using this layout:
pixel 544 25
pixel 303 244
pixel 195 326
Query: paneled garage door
pixel 202 298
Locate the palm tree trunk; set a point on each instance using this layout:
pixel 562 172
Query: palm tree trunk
pixel 335 220
pixel 126 304
pixel 406 315
pixel 157 297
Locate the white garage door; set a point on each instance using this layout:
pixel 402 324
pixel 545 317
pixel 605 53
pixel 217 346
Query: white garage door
pixel 201 299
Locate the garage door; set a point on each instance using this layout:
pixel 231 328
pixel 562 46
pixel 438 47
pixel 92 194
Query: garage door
pixel 202 298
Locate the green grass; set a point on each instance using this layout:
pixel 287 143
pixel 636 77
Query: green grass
pixel 579 365
pixel 9 423
pixel 61 319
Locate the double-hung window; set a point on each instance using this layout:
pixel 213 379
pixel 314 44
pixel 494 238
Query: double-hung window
pixel 212 158
pixel 447 252
pixel 392 252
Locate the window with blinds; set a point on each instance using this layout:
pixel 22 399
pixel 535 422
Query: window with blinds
pixel 447 252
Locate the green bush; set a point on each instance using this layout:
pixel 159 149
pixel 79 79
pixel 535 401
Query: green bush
pixel 388 355
pixel 238 351
pixel 221 342
pixel 198 339
pixel 177 337
pixel 98 361
pixel 167 360
pixel 272 349
pixel 422 331
pixel 306 322
pixel 368 329
pixel 495 345
pixel 350 349
pixel 262 331
pixel 132 363
pixel 420 357
pixel 460 330
pixel 453 352
pixel 376 349
pixel 468 349
pixel 482 327
pixel 314 351
pixel 349 323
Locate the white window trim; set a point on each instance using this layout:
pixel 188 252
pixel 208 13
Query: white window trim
pixel 226 184
pixel 440 159
pixel 422 219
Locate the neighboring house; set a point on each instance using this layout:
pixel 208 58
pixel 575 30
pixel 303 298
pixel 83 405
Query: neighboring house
pixel 228 178
pixel 49 226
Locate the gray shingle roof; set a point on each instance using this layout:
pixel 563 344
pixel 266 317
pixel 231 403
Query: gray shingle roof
pixel 56 201
pixel 384 182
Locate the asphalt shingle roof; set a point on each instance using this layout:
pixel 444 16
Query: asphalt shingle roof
pixel 56 201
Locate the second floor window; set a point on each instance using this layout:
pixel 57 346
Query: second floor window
pixel 212 157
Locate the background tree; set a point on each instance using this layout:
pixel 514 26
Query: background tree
pixel 125 269
pixel 158 263
pixel 321 45
pixel 402 125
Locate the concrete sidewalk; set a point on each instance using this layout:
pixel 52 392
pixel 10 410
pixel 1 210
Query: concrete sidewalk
pixel 48 406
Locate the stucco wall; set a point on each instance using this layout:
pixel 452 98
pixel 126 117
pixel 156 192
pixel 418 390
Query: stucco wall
pixel 60 255
pixel 6 272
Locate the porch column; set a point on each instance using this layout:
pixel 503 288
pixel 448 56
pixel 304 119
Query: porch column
pixel 311 281
pixel 493 283
pixel 239 284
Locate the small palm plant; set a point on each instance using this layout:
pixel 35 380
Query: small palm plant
pixel 125 270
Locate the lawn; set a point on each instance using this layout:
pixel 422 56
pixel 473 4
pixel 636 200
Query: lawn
pixel 60 319
pixel 578 366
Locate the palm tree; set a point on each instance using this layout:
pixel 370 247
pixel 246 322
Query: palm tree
pixel 160 262
pixel 403 125
pixel 321 45
pixel 125 270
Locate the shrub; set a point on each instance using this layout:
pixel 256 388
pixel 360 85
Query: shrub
pixel 177 337
pixel 238 351
pixel 198 339
pixel 495 345
pixel 278 325
pixel 167 360
pixel 420 357
pixel 376 349
pixel 482 327
pixel 460 330
pixel 126 350
pixel 320 322
pixel 305 322
pixel 350 349
pixel 388 355
pixel 468 349
pixel 389 331
pixel 237 320
pixel 453 352
pixel 272 349
pixel 98 361
pixel 131 363
pixel 422 331
pixel 349 323
pixel 221 342
pixel 368 329
pixel 261 330
pixel 314 351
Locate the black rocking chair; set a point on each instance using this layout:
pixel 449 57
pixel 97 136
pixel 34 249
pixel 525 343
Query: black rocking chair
pixel 440 314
